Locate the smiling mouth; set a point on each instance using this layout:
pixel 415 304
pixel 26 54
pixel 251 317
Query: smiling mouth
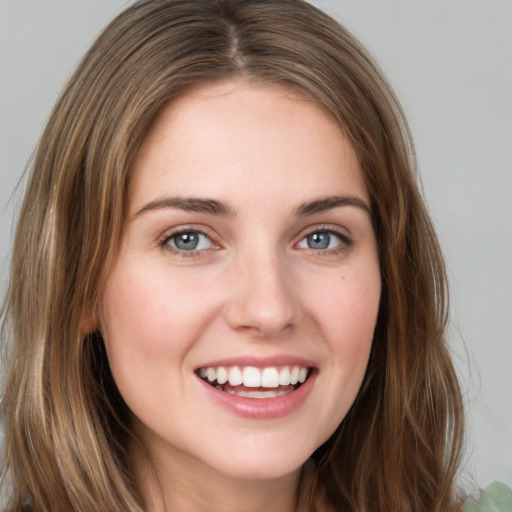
pixel 252 382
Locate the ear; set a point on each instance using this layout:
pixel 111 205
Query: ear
pixel 87 323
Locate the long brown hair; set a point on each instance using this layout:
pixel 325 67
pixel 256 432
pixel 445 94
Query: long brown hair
pixel 65 423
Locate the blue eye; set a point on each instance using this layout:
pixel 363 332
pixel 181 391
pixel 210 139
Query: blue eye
pixel 322 240
pixel 189 241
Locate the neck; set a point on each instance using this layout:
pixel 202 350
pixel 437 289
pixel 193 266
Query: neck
pixel 182 485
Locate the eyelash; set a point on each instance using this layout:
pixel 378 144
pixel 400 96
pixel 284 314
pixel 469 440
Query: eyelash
pixel 164 242
pixel 345 242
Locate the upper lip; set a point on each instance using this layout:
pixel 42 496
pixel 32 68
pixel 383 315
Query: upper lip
pixel 259 362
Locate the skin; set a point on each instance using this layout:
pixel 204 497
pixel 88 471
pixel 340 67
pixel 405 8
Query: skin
pixel 254 288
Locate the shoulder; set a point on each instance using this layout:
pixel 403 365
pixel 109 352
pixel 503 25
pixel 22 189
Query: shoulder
pixel 496 497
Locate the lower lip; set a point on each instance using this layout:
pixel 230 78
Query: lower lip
pixel 261 408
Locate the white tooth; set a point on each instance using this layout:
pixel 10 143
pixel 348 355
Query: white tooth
pixel 263 394
pixel 270 378
pixel 202 373
pixel 259 394
pixel 211 374
pixel 294 375
pixel 251 377
pixel 303 373
pixel 284 376
pixel 235 376
pixel 222 375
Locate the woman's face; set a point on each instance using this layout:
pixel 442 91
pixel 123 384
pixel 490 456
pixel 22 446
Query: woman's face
pixel 249 261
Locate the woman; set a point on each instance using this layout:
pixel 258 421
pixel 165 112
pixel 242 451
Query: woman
pixel 241 301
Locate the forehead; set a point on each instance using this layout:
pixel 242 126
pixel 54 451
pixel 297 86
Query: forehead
pixel 222 138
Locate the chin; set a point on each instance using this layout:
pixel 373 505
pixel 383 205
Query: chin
pixel 262 460
pixel 261 470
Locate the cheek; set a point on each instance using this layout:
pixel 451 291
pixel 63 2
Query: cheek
pixel 346 311
pixel 349 304
pixel 150 312
pixel 149 321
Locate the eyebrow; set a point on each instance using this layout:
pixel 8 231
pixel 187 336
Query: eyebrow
pixel 189 204
pixel 220 208
pixel 328 203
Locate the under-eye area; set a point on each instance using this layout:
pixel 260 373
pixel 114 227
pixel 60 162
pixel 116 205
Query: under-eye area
pixel 253 382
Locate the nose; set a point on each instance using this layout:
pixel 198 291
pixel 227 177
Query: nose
pixel 264 299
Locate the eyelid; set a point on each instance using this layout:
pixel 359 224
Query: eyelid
pixel 345 239
pixel 338 231
pixel 328 228
pixel 188 228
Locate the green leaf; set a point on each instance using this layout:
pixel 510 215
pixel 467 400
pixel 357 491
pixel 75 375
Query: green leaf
pixel 496 497
pixel 470 505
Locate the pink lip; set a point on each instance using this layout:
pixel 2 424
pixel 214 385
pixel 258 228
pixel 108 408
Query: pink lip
pixel 261 408
pixel 259 362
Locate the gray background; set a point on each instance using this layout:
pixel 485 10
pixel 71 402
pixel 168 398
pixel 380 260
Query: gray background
pixel 450 63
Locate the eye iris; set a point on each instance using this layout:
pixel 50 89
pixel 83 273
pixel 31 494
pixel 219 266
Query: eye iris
pixel 318 240
pixel 187 241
